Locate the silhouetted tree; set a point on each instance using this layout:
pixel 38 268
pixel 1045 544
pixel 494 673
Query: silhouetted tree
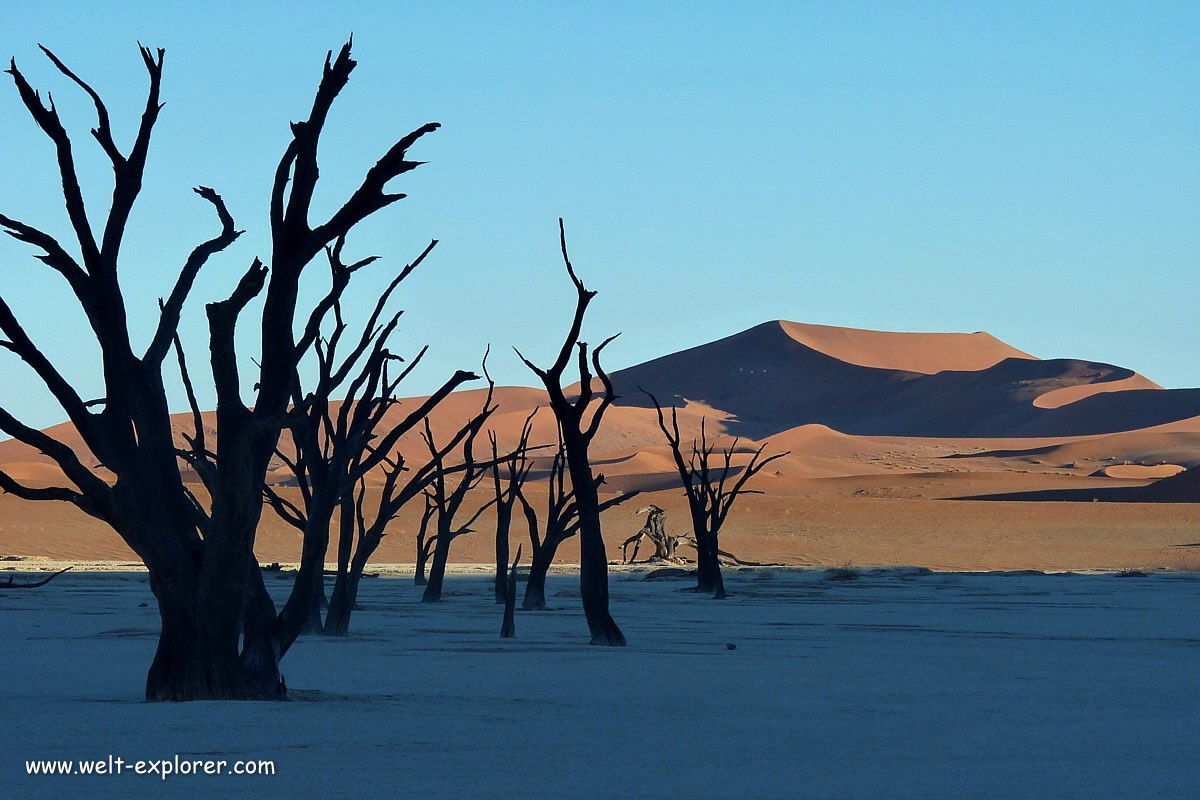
pixel 448 501
pixel 709 499
pixel 561 523
pixel 335 446
pixel 420 476
pixel 516 470
pixel 577 433
pixel 200 557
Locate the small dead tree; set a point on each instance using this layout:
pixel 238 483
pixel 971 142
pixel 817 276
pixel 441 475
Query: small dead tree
pixel 709 498
pixel 508 628
pixel 516 470
pixel 424 545
pixel 335 445
pixel 561 523
pixel 448 501
pixel 394 495
pixel 578 431
pixel 655 530
pixel 12 584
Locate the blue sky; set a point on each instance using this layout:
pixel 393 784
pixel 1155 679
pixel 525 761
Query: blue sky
pixel 1029 169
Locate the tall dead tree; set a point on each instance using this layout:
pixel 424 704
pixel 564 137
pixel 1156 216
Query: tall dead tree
pixel 709 496
pixel 200 558
pixel 578 430
pixel 516 470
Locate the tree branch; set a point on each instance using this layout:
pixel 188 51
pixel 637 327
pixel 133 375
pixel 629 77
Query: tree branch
pixel 47 119
pixel 20 344
pixel 168 322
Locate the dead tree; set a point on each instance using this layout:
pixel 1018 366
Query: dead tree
pixel 655 530
pixel 449 501
pixel 578 430
pixel 561 522
pixel 12 584
pixel 508 628
pixel 420 476
pixel 200 557
pixel 424 545
pixel 334 447
pixel 516 470
pixel 709 498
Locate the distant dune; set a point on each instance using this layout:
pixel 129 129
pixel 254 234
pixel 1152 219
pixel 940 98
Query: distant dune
pixel 864 414
pixel 773 377
pixel 906 352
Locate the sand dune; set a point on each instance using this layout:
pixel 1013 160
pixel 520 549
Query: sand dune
pixel 907 352
pixel 1070 394
pixel 769 381
pixel 1139 472
pixel 1145 448
pixel 33 472
pixel 825 442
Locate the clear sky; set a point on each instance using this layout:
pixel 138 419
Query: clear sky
pixel 1029 169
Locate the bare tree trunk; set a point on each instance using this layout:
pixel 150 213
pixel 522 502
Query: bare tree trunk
pixel 422 558
pixel 337 613
pixel 260 647
pixel 341 604
pixel 508 628
pixel 708 566
pixel 593 559
pixel 195 660
pixel 302 611
pixel 503 523
pixel 719 583
pixel 535 583
pixel 437 571
pixel 313 624
pixel 345 602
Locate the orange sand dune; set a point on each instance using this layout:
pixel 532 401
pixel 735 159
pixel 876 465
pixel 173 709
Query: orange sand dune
pixel 1139 472
pixel 927 353
pixel 34 472
pixel 1148 448
pixel 824 442
pixel 780 375
pixel 1070 394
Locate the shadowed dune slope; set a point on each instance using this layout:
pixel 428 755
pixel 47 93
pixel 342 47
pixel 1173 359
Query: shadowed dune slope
pixel 1183 487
